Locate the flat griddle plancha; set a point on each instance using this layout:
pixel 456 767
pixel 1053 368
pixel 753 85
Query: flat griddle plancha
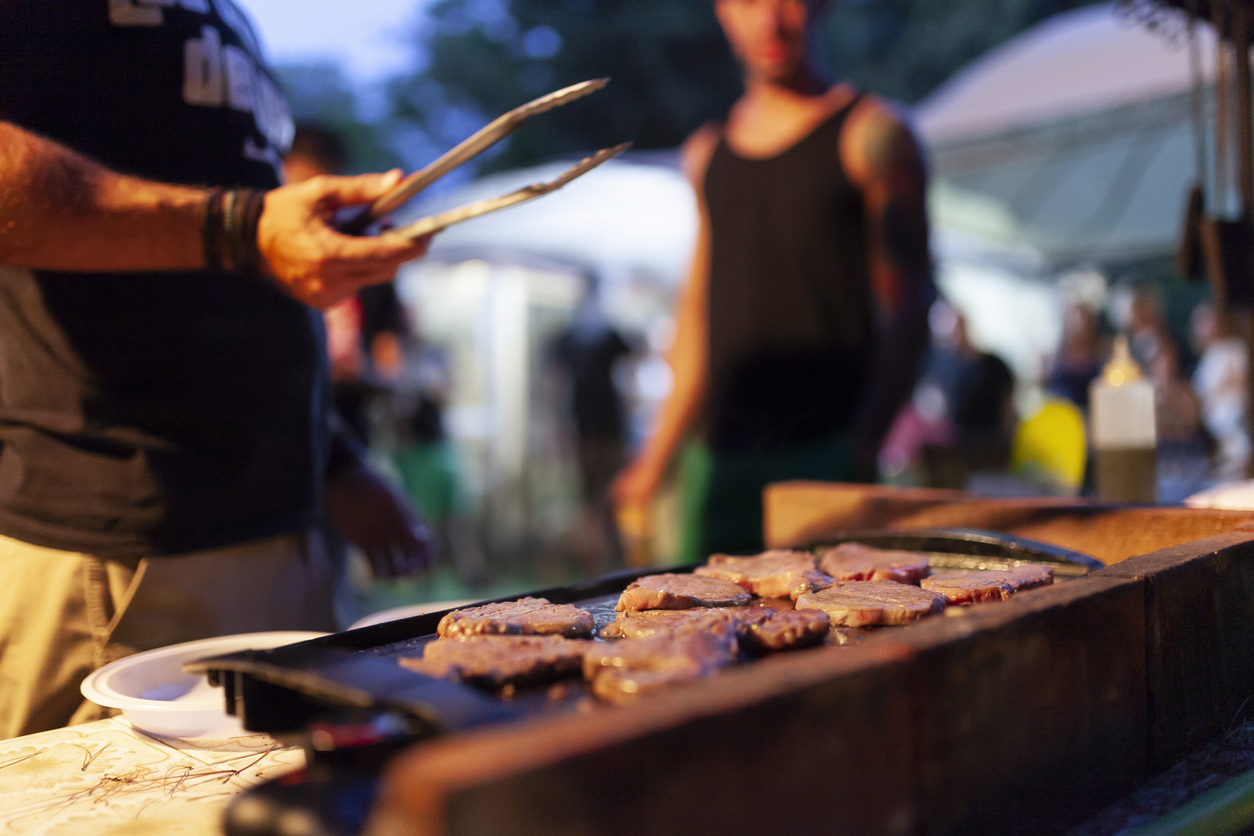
pixel 281 691
pixel 348 689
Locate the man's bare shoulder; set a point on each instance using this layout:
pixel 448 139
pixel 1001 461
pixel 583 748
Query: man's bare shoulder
pixel 878 140
pixel 697 149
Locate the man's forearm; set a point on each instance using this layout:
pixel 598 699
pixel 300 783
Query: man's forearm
pixel 61 211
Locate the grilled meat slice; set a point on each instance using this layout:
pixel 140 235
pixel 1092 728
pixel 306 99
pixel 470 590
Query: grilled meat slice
pixel 856 562
pixel 974 586
pixel 758 628
pixel 773 574
pixel 861 603
pixel 785 629
pixel 622 671
pixel 680 592
pixel 639 624
pixel 526 616
pixel 497 661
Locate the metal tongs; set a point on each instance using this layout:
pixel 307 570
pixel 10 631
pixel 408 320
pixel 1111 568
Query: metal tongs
pixel 482 140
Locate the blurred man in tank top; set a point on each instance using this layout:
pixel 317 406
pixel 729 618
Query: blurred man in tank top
pixel 803 318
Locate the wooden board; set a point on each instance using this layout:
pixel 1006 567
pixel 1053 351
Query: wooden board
pixel 797 513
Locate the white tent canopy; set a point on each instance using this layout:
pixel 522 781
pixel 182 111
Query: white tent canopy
pixel 1085 61
pixel 1074 139
pixel 623 218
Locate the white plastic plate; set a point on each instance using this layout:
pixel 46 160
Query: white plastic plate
pixel 409 611
pixel 155 694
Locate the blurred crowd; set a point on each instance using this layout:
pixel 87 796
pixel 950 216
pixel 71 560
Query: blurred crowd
pixel 971 422
pixel 966 424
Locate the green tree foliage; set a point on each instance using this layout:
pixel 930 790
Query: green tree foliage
pixel 670 67
pixel 905 49
pixel 320 94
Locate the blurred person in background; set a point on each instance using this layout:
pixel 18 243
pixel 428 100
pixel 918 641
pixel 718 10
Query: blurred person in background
pixel 803 319
pixel 1222 387
pixel 587 354
pixel 1183 467
pixel 1147 325
pixel 165 450
pixel 365 332
pixel 1080 357
pixel 983 402
pixel 978 385
pixel 961 418
pixel 428 463
pixel 1177 409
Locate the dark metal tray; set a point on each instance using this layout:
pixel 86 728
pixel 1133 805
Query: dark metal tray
pixel 283 690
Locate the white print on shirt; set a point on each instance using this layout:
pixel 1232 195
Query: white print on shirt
pixel 148 12
pixel 239 78
pixel 202 69
pixel 215 74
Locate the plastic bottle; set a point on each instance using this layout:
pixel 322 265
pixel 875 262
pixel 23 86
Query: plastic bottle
pixel 1121 428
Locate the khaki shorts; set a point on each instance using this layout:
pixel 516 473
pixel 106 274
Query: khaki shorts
pixel 65 614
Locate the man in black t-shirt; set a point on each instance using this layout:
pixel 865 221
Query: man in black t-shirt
pixel 165 443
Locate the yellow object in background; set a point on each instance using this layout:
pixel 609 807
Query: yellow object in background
pixel 1051 444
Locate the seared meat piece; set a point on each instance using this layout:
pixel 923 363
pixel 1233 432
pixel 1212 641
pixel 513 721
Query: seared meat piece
pixel 680 592
pixel 785 629
pixel 760 628
pixel 772 574
pixel 859 603
pixel 622 671
pixel 974 586
pixel 723 621
pixel 497 661
pixel 525 616
pixel 855 562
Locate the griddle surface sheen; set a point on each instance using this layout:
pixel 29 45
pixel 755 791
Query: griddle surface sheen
pixel 282 690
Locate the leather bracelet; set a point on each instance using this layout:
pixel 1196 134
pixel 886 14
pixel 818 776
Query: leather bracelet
pixel 245 256
pixel 211 231
pixel 229 236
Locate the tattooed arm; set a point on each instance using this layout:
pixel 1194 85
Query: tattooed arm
pixel 884 160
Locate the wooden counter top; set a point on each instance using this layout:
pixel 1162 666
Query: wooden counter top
pixel 801 513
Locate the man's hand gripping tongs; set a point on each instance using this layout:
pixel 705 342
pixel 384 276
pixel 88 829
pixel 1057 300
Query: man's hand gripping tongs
pixel 485 138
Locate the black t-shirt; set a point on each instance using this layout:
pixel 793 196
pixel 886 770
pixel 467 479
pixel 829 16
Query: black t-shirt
pixel 153 413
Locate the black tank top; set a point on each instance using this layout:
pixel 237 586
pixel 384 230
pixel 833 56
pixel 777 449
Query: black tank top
pixel 790 302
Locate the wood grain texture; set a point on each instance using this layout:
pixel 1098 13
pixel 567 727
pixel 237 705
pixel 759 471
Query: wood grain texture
pixel 1199 606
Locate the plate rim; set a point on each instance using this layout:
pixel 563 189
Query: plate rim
pixel 109 698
